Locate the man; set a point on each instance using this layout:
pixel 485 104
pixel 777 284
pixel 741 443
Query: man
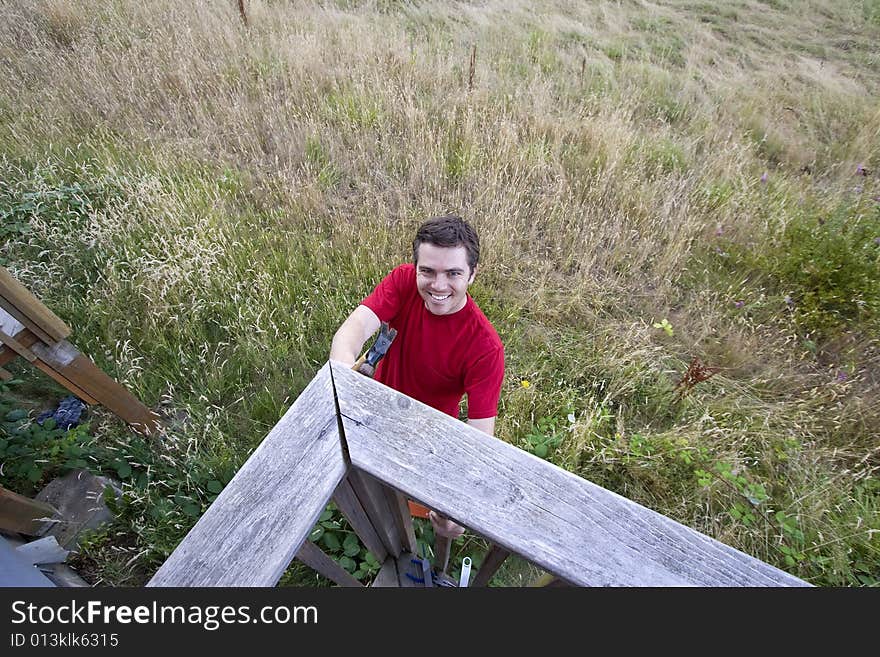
pixel 445 347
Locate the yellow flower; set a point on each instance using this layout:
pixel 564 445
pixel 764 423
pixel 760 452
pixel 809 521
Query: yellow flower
pixel 524 383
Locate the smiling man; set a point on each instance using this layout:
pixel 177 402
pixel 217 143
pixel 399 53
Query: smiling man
pixel 445 347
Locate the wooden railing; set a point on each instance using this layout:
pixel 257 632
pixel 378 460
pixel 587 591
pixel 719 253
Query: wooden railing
pixel 352 439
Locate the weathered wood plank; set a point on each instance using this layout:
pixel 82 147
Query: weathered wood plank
pixel 17 347
pixel 567 525
pixel 259 522
pixel 442 544
pixel 20 298
pixel 405 566
pixel 315 558
pixel 490 565
pixel 5 375
pixel 402 518
pixel 372 497
pixel 354 512
pixel 23 515
pixel 387 576
pixel 24 338
pixel 7 308
pixel 87 377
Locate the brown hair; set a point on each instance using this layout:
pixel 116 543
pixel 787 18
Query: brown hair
pixel 449 231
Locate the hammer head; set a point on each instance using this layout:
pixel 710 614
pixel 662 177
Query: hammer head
pixel 367 364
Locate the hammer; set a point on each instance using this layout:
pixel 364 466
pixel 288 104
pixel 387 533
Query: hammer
pixel 367 363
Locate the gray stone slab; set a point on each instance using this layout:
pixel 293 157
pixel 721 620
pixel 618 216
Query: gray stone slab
pixel 79 498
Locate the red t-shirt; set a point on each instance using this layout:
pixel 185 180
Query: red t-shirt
pixel 438 358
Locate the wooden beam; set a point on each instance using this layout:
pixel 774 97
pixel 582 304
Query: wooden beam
pixel 374 501
pixel 69 363
pixel 357 517
pixel 402 518
pixel 490 565
pixel 566 525
pixel 261 519
pixel 76 390
pixel 405 566
pixel 17 347
pixel 23 515
pixel 387 577
pixel 442 545
pixel 22 336
pixel 315 558
pixel 5 375
pixel 28 309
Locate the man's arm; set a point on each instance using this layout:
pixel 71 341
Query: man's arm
pixel 349 338
pixel 484 424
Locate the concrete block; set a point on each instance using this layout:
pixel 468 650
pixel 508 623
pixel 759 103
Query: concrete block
pixel 79 498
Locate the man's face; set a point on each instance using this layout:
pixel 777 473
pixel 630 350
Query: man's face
pixel 442 278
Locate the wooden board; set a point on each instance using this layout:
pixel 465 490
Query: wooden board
pixel 387 577
pixel 354 512
pixel 33 311
pixel 567 525
pixel 23 515
pixel 64 359
pixel 374 501
pixel 315 558
pixel 24 337
pixel 490 565
pixel 260 520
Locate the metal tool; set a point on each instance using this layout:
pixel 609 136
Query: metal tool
pixel 465 572
pixel 367 363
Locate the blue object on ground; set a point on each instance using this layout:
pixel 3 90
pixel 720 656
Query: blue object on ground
pixel 67 415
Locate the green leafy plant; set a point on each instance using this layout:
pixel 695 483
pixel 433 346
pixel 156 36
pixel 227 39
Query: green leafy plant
pixel 545 436
pixel 336 537
pixel 31 453
pixel 665 325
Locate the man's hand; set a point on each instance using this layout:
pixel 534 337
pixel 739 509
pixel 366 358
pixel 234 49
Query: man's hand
pixel 445 526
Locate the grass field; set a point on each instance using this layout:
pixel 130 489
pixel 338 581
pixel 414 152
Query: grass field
pixel 204 203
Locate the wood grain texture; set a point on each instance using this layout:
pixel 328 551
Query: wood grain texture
pixel 24 337
pixel 84 375
pixel 259 522
pixel 402 518
pixel 354 512
pixel 405 566
pixel 490 565
pixel 17 347
pixel 17 295
pixel 374 501
pixel 23 515
pixel 387 577
pixel 567 525
pixel 315 558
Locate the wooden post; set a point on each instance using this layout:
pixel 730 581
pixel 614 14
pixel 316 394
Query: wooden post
pixel 441 552
pixel 23 515
pixel 315 558
pixel 473 68
pixel 490 565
